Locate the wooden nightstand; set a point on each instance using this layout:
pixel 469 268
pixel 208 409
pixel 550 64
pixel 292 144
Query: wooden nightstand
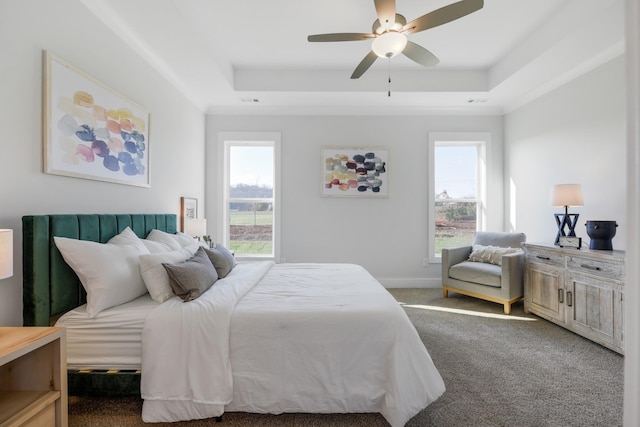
pixel 33 376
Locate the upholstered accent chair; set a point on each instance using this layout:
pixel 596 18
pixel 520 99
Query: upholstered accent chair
pixel 491 268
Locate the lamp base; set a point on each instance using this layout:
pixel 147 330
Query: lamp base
pixel 566 220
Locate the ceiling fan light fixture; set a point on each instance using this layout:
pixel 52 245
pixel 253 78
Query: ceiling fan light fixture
pixel 389 44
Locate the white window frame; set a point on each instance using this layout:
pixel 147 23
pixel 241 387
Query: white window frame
pixel 227 140
pixel 482 141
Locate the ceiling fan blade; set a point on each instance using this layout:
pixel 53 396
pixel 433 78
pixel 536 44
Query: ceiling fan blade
pixel 420 55
pixel 386 10
pixel 443 15
pixel 340 37
pixel 364 65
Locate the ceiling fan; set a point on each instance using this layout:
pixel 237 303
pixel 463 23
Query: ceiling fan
pixel 390 29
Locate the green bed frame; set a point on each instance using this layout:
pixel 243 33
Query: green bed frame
pixel 51 288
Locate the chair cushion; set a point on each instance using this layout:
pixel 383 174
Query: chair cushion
pixel 477 272
pixel 504 240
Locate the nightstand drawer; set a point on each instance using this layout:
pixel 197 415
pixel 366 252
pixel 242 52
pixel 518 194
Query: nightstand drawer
pixel 598 268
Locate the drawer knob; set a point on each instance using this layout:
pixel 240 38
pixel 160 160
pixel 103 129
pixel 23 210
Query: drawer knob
pixel 543 257
pixel 590 267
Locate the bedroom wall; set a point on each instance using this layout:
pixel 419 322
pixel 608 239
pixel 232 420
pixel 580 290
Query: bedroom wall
pixel 574 134
pixel 386 236
pixel 176 149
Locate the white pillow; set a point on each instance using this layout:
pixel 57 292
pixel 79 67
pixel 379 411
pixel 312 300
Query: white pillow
pixel 128 237
pixel 155 247
pixel 109 273
pixel 154 274
pixel 163 237
pixel 184 239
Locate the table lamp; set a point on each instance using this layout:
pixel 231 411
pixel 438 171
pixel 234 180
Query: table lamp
pixel 6 253
pixel 566 195
pixel 196 227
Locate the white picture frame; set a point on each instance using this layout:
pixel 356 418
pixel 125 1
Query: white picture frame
pixel 91 131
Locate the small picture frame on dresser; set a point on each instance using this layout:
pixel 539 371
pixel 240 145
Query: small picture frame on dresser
pixel 570 242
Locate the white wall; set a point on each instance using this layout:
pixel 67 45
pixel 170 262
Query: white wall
pixel 386 236
pixel 632 270
pixel 575 134
pixel 176 144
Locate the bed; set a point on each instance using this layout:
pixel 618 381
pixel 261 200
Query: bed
pixel 321 338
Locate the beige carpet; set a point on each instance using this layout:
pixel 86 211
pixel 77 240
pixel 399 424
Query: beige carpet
pixel 499 370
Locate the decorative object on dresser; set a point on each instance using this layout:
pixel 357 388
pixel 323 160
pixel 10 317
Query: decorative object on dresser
pixel 491 268
pixel 6 253
pixel 582 291
pixel 601 234
pixel 33 376
pixel 566 195
pixel 570 242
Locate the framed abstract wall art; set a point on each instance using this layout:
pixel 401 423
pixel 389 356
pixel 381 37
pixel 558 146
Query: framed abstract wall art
pixel 90 131
pixel 355 172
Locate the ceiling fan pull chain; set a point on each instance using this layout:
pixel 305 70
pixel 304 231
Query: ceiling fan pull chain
pixel 389 92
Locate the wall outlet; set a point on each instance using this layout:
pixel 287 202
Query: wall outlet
pixel 425 262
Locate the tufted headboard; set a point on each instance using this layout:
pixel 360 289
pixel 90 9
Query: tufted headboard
pixel 50 287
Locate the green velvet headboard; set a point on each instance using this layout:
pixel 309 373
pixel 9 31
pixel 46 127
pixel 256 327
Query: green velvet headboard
pixel 50 287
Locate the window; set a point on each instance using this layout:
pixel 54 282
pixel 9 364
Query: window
pixel 250 207
pixel 457 189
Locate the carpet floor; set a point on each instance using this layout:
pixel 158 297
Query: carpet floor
pixel 516 370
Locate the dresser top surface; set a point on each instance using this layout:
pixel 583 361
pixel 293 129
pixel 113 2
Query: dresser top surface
pixel 584 252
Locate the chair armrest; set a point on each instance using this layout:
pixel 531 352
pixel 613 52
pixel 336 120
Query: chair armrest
pixel 453 256
pixel 513 275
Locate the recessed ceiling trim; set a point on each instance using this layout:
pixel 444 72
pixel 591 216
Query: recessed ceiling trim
pixel 373 81
pixel 358 111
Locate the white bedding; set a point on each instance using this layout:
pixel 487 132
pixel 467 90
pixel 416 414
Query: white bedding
pixel 111 340
pixel 186 365
pixel 316 338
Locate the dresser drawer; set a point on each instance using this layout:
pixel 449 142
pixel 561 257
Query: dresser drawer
pixel 544 256
pixel 595 267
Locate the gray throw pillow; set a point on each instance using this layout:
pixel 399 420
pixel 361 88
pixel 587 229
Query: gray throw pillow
pixel 189 279
pixel 222 259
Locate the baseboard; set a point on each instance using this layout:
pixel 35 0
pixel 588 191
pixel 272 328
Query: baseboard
pixel 425 282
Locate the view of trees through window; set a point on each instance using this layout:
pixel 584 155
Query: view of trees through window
pixel 250 199
pixel 456 201
pixel 251 219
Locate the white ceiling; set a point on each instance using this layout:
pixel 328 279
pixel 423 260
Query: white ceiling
pixel 223 55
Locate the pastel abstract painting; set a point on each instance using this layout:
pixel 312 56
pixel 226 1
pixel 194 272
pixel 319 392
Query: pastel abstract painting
pixel 355 172
pixel 91 131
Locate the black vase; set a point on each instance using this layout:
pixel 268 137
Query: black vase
pixel 601 233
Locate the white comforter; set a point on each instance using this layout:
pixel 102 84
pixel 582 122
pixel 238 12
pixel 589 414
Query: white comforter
pixel 322 338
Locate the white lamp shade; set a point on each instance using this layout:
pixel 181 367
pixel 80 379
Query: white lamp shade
pixel 566 195
pixel 195 227
pixel 6 253
pixel 389 44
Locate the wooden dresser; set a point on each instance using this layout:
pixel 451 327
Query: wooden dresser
pixel 33 376
pixel 580 290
